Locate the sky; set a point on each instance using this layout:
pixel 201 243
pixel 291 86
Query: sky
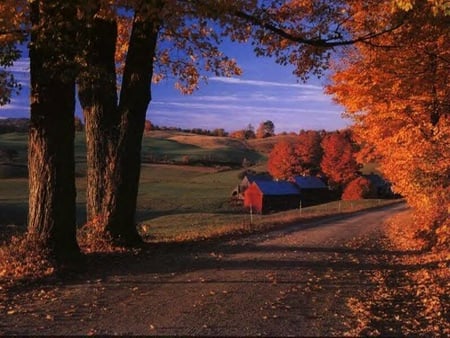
pixel 265 91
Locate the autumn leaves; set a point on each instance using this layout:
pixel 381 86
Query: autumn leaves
pixel 398 96
pixel 314 152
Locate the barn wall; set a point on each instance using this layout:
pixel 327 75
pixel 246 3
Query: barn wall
pixel 280 202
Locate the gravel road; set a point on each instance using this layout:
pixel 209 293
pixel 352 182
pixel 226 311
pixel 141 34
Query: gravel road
pixel 290 282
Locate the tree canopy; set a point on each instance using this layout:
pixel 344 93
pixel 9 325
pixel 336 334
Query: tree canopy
pixel 397 91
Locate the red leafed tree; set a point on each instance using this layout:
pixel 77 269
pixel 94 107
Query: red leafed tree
pixel 253 198
pixel 357 189
pixel 148 126
pixel 283 162
pixel 309 151
pixel 338 161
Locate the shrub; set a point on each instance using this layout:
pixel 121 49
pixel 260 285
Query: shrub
pixel 357 189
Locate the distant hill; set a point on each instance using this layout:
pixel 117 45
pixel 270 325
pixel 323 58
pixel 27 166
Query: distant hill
pixel 174 147
pixel 265 145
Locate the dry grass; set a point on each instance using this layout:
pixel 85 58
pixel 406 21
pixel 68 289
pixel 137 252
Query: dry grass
pixel 209 142
pixel 265 145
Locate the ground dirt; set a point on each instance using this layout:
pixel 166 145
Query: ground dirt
pixel 291 282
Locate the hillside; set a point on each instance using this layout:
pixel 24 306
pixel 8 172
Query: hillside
pixel 173 147
pixel 265 145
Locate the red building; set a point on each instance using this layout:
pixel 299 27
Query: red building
pixel 264 196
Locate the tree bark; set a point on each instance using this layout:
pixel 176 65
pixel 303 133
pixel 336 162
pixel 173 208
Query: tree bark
pixel 98 97
pixel 121 201
pixel 52 196
pixel 114 132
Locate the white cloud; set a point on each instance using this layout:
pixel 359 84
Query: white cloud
pixel 239 81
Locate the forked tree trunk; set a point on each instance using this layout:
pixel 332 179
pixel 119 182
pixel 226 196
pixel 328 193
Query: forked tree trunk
pixel 114 133
pixel 121 199
pixel 52 196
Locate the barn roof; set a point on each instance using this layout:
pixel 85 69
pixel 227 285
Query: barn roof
pixel 376 180
pixel 309 182
pixel 276 187
pixel 253 178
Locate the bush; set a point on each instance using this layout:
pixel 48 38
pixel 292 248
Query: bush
pixel 358 189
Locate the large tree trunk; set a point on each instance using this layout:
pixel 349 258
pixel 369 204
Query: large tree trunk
pixel 135 97
pixel 114 133
pixel 98 97
pixel 52 197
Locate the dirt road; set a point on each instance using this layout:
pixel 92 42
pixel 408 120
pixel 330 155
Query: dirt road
pixel 294 281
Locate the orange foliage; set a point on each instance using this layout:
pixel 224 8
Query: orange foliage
pixel 398 98
pixel 283 163
pixel 357 189
pixel 309 151
pixel 338 162
pixel 253 198
pixel 12 25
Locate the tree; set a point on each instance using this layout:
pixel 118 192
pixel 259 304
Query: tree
pixel 283 163
pixel 309 151
pixel 338 162
pixel 13 17
pixel 195 39
pixel 114 130
pixel 398 96
pixel 51 216
pixel 114 124
pixel 357 189
pixel 239 134
pixel 220 132
pixel 148 126
pixel 265 129
pixel 249 132
pixel 197 35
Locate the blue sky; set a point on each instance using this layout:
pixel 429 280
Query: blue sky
pixel 265 91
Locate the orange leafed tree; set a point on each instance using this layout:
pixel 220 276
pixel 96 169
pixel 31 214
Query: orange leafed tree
pixel 338 162
pixel 12 24
pixel 397 91
pixel 283 163
pixel 309 151
pixel 358 188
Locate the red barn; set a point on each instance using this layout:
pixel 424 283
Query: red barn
pixel 263 196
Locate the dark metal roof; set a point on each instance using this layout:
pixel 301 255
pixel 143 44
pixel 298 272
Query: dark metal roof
pixel 277 187
pixel 376 180
pixel 253 178
pixel 309 182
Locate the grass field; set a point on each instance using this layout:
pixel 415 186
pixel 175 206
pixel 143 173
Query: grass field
pixel 175 201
